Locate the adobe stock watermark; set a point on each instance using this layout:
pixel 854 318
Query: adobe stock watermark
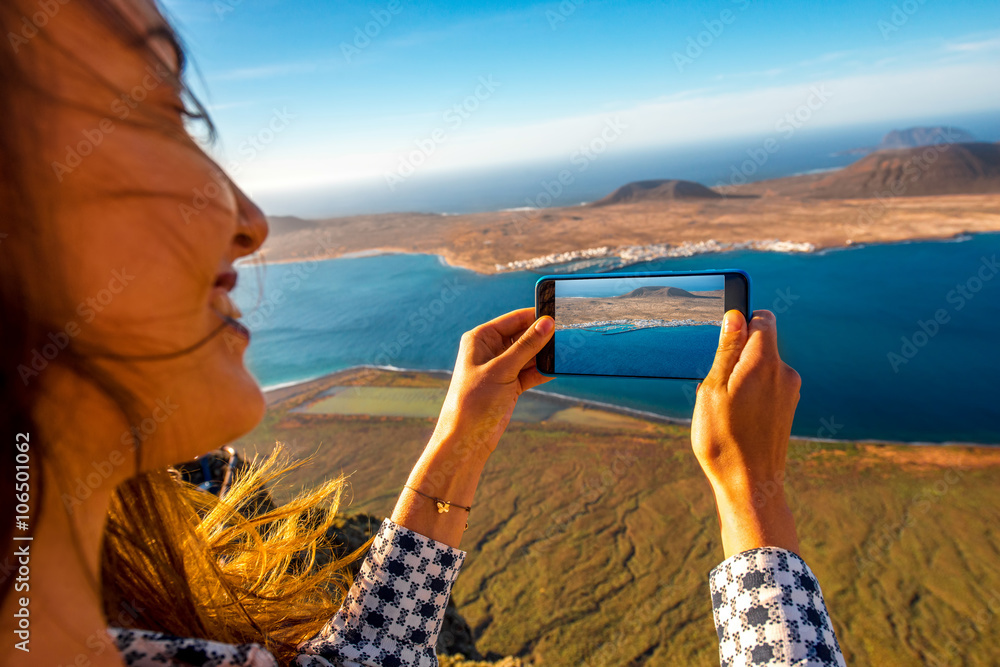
pixel 363 35
pixel 593 488
pixel 899 16
pixel 419 320
pixel 454 117
pixel 203 196
pixel 581 159
pixel 31 25
pixel 121 108
pixel 561 13
pixel 696 44
pixel 968 630
pixel 786 126
pixel 768 489
pixel 637 619
pixel 294 277
pixel 223 7
pixel 101 471
pixel 912 171
pixel 783 301
pixel 87 310
pixel 891 531
pixel 958 298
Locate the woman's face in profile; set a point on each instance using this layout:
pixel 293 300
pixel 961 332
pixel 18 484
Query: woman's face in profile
pixel 146 229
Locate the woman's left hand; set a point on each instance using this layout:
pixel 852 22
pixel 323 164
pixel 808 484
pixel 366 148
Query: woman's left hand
pixel 495 365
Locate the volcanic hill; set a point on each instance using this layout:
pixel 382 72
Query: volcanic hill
pixel 657 190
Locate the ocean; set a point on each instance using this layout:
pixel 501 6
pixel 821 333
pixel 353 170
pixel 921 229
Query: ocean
pixel 685 352
pixel 894 342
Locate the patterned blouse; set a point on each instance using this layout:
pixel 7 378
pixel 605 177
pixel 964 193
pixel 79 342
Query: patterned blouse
pixel 768 611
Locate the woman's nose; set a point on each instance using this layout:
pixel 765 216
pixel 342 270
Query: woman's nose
pixel 251 228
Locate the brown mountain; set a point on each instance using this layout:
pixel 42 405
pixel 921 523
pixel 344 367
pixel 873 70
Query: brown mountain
pixel 662 291
pixel 944 169
pixel 658 190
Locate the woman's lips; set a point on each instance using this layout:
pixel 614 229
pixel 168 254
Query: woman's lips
pixel 226 280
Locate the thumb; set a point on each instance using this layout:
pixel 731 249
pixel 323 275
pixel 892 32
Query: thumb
pixel 528 345
pixel 732 340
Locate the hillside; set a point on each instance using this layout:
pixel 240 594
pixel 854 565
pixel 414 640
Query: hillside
pixel 947 169
pixel 661 190
pixel 940 170
pixel 663 291
pixel 590 542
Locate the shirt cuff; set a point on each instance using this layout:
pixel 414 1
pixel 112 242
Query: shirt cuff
pixel 393 613
pixel 768 606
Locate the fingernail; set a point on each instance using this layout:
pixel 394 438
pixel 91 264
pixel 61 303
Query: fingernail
pixel 544 326
pixel 732 322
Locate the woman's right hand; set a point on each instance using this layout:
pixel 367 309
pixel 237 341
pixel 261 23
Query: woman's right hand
pixel 739 432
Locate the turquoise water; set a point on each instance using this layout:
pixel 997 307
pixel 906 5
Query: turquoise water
pixel 685 352
pixel 841 315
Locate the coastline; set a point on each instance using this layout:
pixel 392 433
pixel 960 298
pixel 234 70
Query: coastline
pixel 632 254
pixel 285 391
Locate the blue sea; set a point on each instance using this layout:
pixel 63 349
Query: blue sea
pixel 896 342
pixel 684 352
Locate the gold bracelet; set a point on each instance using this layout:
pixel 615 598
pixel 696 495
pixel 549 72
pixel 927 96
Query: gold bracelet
pixel 442 505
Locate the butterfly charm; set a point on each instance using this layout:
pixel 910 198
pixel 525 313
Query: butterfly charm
pixel 443 507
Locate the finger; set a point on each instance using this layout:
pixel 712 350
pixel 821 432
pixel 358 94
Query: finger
pixel 763 334
pixel 512 324
pixel 530 343
pixel 532 377
pixel 732 340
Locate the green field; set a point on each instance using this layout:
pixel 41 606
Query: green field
pixel 591 538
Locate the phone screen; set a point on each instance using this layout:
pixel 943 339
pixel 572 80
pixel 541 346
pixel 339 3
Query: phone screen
pixel 663 326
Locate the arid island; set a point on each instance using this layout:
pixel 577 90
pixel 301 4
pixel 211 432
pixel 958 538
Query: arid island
pixel 928 192
pixel 643 307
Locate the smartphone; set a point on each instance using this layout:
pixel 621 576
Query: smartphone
pixel 653 325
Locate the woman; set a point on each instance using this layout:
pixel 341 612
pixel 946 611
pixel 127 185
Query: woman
pixel 121 351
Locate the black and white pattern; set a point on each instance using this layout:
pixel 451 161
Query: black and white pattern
pixel 769 610
pixel 391 617
pixel 144 648
pixel 393 613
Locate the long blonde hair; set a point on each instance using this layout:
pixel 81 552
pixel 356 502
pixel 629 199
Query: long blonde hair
pixel 180 560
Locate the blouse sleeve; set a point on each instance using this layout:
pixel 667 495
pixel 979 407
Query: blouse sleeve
pixel 393 613
pixel 769 610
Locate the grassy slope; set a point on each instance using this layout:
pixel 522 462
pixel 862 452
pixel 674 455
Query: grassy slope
pixel 591 546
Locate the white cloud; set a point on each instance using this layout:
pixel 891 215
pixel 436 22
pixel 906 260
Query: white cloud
pixel 265 71
pixel 975 47
pixel 685 118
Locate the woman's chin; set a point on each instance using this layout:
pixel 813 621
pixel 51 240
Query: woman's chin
pixel 219 404
pixel 240 407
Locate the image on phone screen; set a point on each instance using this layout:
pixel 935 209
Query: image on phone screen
pixel 666 326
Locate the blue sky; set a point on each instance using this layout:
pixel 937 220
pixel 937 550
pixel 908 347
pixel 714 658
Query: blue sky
pixel 616 286
pixel 301 100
